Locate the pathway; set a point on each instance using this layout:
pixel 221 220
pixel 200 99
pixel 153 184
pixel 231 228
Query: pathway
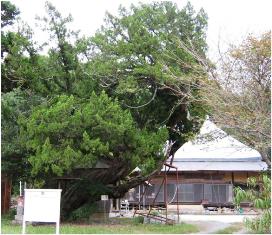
pixel 210 227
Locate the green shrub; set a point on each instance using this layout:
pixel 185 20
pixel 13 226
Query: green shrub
pixel 258 192
pixel 138 220
pixel 83 213
pixel 10 215
pixel 261 224
pixel 156 213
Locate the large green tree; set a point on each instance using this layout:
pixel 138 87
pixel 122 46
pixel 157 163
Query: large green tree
pixel 136 58
pixel 141 90
pixel 21 65
pixel 15 67
pixel 68 137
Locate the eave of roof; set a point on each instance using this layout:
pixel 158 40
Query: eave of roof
pixel 220 166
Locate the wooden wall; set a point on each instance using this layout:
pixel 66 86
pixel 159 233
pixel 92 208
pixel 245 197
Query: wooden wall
pixel 207 177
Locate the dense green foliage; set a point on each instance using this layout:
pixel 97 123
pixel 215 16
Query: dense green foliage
pixel 8 13
pixel 83 213
pixel 137 59
pixel 67 132
pixel 15 104
pixel 108 100
pixel 259 193
pixel 64 70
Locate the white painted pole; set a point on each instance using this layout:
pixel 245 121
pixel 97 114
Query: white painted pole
pixel 20 188
pixel 111 205
pixel 57 227
pixel 117 204
pixel 24 226
pixel 139 197
pixel 144 202
pixel 139 193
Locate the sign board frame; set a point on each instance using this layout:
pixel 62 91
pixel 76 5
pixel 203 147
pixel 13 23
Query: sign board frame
pixel 42 205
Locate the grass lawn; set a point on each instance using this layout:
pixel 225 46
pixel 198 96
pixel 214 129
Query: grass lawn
pixel 231 229
pixel 126 226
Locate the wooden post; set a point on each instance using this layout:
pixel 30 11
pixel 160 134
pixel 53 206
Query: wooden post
pixel 165 192
pixel 177 183
pixel 117 200
pixel 139 207
pixel 5 194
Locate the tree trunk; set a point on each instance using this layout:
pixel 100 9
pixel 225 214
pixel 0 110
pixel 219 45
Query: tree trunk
pixel 94 182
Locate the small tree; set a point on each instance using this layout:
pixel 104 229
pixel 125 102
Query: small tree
pixel 259 193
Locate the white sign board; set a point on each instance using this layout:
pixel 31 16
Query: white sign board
pixel 104 197
pixel 42 205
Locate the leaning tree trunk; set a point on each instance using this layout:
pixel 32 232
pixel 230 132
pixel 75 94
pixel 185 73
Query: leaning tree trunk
pixel 89 184
pixel 95 182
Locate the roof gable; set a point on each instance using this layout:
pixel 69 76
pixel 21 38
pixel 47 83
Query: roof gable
pixel 213 144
